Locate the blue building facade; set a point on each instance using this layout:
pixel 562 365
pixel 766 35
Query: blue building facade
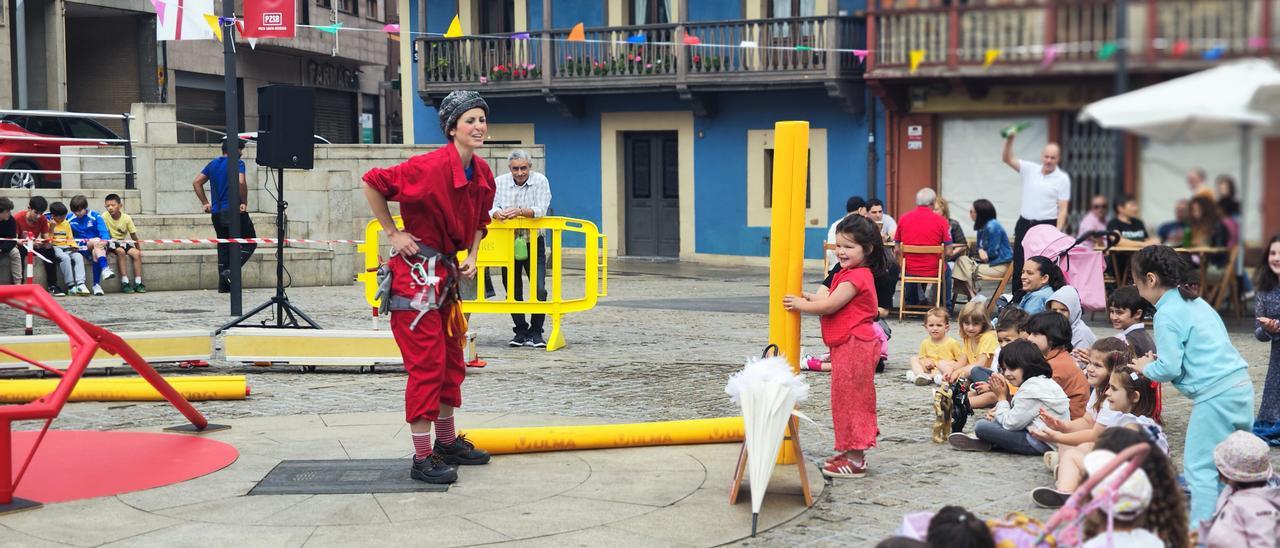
pixel 668 161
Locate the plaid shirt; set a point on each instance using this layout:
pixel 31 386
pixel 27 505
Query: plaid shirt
pixel 534 194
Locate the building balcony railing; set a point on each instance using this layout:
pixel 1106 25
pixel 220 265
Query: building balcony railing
pixel 790 52
pixel 955 37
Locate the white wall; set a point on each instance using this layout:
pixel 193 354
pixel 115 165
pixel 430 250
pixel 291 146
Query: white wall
pixel 971 166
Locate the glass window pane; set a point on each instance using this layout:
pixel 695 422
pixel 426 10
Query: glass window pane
pixel 84 129
pixel 641 160
pixel 670 169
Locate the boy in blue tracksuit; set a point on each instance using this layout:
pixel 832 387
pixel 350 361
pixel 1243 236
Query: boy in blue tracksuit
pixel 1195 354
pixel 89 226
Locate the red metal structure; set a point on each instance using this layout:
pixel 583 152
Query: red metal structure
pixel 85 340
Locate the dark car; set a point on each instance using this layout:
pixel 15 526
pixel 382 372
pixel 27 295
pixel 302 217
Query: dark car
pixel 23 125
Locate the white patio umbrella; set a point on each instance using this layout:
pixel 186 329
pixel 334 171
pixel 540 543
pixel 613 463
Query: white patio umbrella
pixel 767 390
pixel 1213 104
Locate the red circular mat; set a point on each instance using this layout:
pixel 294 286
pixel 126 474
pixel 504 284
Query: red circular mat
pixel 78 464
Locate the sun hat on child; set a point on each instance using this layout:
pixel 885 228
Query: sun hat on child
pixel 1243 457
pixel 1132 496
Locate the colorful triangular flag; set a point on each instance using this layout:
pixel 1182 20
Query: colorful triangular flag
pixel 521 36
pixel 861 54
pixel 1050 54
pixel 391 28
pixel 691 40
pixel 916 57
pixel 577 34
pixel 1107 51
pixel 186 23
pixel 1180 48
pixel 989 58
pixel 455 28
pixel 331 29
pixel 1257 42
pixel 159 5
pixel 803 48
pixel 748 44
pixel 212 21
pixel 253 42
pixel 1213 54
pixel 636 39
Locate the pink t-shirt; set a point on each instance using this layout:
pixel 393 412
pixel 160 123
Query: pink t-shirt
pixel 854 320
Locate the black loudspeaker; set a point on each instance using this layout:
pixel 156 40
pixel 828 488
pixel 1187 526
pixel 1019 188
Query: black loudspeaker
pixel 286 126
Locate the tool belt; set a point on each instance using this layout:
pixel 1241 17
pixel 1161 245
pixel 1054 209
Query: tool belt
pixel 422 268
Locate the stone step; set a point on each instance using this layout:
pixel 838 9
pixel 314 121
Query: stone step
pixel 198 225
pixel 132 198
pixel 185 269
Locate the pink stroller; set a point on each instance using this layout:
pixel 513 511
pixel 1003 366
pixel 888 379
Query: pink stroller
pixel 1083 265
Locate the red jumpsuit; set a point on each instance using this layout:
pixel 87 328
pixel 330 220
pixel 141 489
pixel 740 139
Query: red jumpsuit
pixel 444 210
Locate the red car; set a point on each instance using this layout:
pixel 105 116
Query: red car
pixel 22 125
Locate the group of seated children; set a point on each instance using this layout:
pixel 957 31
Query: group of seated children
pixel 68 238
pixel 1145 510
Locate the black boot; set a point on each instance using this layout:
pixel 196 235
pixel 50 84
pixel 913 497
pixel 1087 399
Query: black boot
pixel 433 470
pixel 461 452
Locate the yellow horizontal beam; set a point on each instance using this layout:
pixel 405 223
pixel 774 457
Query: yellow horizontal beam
pixel 504 441
pixel 153 346
pixel 311 347
pixel 127 389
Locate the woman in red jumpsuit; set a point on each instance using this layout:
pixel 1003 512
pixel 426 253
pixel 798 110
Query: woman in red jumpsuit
pixel 444 199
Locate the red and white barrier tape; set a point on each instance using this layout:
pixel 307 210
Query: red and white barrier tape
pixel 207 241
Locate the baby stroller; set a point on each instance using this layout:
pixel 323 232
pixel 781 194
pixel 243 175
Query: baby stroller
pixel 1083 265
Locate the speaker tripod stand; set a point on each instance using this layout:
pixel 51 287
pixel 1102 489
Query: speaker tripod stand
pixel 286 313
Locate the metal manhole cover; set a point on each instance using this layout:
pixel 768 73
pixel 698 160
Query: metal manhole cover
pixel 341 477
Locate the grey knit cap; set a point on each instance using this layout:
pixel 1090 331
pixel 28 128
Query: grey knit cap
pixel 456 103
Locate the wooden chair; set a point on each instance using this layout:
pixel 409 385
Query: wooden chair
pixel 938 279
pixel 1228 285
pixel 1004 282
pixel 827 250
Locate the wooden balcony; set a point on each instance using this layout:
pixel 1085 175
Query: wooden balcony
pixel 545 63
pixel 1161 35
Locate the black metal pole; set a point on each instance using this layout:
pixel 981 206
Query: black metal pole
pixel 281 205
pixel 232 109
pixel 1121 84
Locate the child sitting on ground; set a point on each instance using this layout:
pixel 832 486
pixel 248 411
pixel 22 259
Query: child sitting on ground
pixel 1105 356
pixel 1166 515
pixel 1051 333
pixel 978 342
pixel 1131 398
pixel 124 244
pixel 65 248
pixel 1066 301
pixel 1248 512
pixel 1120 523
pixel 926 367
pixel 1006 425
pixel 1008 328
pixel 1128 312
pixel 955 527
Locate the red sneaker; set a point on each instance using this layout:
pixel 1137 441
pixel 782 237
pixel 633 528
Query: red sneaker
pixel 841 467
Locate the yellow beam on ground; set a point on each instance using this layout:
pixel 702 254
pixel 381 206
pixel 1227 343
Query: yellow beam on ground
pixel 311 347
pixel 504 441
pixel 127 389
pixel 153 346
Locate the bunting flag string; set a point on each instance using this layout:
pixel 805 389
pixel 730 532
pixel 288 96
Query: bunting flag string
pixel 170 15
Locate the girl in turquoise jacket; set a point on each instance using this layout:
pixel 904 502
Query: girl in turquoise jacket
pixel 1194 353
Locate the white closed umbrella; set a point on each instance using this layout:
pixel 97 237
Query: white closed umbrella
pixel 767 390
pixel 1212 104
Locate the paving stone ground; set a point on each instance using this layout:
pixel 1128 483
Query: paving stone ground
pixel 659 347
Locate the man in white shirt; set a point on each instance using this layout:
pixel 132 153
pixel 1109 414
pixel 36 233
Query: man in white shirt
pixel 1046 193
pixel 523 192
pixel 855 204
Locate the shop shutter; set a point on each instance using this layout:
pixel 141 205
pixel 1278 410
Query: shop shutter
pixel 336 118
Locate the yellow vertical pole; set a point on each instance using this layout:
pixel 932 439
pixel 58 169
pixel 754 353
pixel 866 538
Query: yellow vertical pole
pixel 786 244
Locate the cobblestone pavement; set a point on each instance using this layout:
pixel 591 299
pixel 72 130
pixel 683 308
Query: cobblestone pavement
pixel 659 347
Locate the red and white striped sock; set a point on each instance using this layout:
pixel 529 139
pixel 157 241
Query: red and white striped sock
pixel 445 434
pixel 421 445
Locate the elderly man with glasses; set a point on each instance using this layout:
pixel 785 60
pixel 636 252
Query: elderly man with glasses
pixel 524 193
pixel 1096 218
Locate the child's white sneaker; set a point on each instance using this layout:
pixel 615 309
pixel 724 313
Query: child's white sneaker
pixel 97 291
pixel 107 273
pixel 917 379
pixel 938 379
pixel 80 290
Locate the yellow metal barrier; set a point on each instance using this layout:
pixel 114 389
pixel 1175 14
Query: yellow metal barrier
pixel 497 250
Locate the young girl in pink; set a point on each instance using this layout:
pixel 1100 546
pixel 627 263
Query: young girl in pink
pixel 848 312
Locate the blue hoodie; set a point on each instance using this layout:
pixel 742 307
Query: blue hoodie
pixel 1193 350
pixel 90 226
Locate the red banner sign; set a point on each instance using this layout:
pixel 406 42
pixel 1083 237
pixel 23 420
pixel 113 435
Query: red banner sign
pixel 270 18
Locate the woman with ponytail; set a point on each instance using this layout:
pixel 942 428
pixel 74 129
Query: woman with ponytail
pixel 1197 356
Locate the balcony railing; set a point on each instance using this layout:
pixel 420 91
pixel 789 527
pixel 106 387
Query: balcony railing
pixel 791 49
pixel 955 35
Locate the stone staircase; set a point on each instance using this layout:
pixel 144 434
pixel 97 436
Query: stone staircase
pixel 173 267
